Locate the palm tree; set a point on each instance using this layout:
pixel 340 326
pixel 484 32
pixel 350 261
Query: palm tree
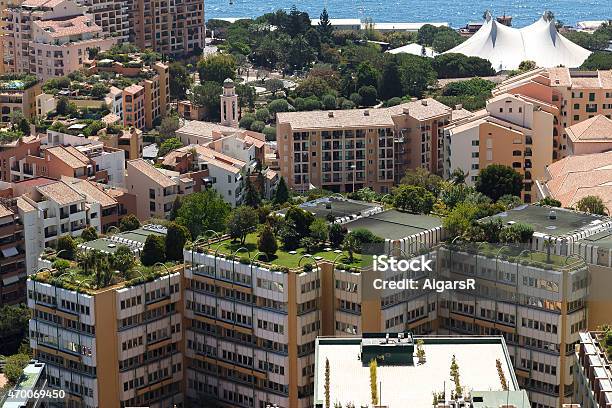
pixel 548 244
pixel 350 245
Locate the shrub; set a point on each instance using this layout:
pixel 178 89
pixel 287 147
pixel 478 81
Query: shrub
pixel 176 238
pixel 129 223
pixel 89 234
pixel 154 250
pixel 266 242
pixel 336 235
pixel 257 126
pixel 66 247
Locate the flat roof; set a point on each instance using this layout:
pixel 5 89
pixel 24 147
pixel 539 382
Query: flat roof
pixel 135 240
pixel 411 385
pixel 338 207
pixel 566 221
pixel 394 224
pixel 486 399
pixel 31 374
pixel 602 239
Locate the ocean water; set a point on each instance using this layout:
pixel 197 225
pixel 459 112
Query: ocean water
pixel 455 12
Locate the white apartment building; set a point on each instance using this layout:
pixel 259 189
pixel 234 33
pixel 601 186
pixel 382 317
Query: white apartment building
pixel 49 210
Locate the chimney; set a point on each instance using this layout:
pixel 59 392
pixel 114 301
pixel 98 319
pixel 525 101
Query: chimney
pixel 413 99
pixel 330 114
pixel 424 102
pixel 366 113
pixel 459 106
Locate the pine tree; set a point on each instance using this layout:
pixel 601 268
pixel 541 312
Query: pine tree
pixel 325 28
pixel 251 195
pixel 390 79
pixel 266 242
pixel 282 193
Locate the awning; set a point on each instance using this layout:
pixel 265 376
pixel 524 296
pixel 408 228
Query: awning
pixel 8 252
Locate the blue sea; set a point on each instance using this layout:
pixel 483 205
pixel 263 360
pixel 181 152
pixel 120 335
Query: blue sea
pixel 455 12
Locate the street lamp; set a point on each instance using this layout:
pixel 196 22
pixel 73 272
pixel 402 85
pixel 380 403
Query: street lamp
pixel 354 168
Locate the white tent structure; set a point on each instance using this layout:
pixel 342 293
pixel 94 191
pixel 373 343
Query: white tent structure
pixel 414 49
pixel 507 47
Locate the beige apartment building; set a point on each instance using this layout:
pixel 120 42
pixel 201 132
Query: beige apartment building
pixel 12 247
pixel 345 150
pixel 18 94
pixel 168 28
pixel 155 188
pixel 49 38
pixel 513 130
pixel 579 95
pixel 116 346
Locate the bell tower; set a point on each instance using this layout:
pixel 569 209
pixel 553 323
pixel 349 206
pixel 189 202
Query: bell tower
pixel 229 104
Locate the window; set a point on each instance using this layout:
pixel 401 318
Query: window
pixel 152 193
pixel 152 206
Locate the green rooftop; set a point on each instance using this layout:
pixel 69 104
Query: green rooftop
pixel 394 224
pixel 602 239
pixel 335 206
pixel 17 82
pixel 539 217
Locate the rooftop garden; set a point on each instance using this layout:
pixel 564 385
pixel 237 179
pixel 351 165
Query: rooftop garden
pixel 605 341
pixel 17 82
pixel 86 127
pixel 87 270
pixel 128 55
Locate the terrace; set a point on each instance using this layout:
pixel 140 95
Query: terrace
pixel 17 82
pixel 394 224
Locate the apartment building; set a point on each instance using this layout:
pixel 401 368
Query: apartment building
pixel 114 346
pixel 352 149
pixel 18 94
pixel 160 186
pixel 579 95
pixel 575 177
pixel 12 248
pixel 111 16
pixel 128 140
pixel 49 209
pixel 13 152
pixel 480 361
pixel 592 135
pixel 170 29
pixel 513 130
pixel 593 386
pixel 50 38
pixel 134 106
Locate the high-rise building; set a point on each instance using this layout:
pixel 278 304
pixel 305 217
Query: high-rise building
pixel 13 260
pixel 174 29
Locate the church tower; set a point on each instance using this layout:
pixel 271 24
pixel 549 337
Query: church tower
pixel 229 104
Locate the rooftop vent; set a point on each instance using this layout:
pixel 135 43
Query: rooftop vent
pixel 366 113
pixel 424 102
pixel 552 215
pixel 458 106
pixel 330 114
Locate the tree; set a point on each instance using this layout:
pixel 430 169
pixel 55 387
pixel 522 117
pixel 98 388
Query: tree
pixel 266 242
pixel 206 96
pixel 389 80
pixel 461 66
pixel 497 180
pixel 351 245
pixel 278 105
pixel 414 199
pixel 181 81
pixel 14 365
pixel 64 106
pixel 300 219
pixel 599 60
pixel 297 23
pixel 328 101
pixel 169 145
pixel 460 219
pixel 312 86
pixel 201 211
pixel 319 230
pixel 123 260
pixel 89 234
pixel 368 95
pixel 66 247
pixel 270 133
pixel 416 74
pixel 251 195
pixel 258 126
pixel 129 223
pixel 325 27
pixel 518 233
pixel 176 237
pixel 281 195
pixel 367 75
pixel 422 178
pixel 592 205
pixel 289 235
pixel 241 221
pixel 217 68
pixel 14 320
pixel 510 201
pixel 246 96
pixel 154 250
pixel 246 121
pixel 169 125
pixel 262 114
pixel 336 235
pixel 99 90
pixel 326 385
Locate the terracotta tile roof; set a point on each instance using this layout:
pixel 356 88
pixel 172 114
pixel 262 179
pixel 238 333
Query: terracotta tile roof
pixel 215 158
pixel 110 119
pixel 458 114
pixel 24 205
pixel 595 129
pixel 204 129
pixel 68 27
pixel 93 193
pixel 575 177
pixel 41 3
pixel 420 110
pixel 559 76
pixel 133 89
pixel 77 153
pixel 60 192
pixel 67 157
pixel 151 172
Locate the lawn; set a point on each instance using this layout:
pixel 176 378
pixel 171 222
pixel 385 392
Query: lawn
pixel 282 257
